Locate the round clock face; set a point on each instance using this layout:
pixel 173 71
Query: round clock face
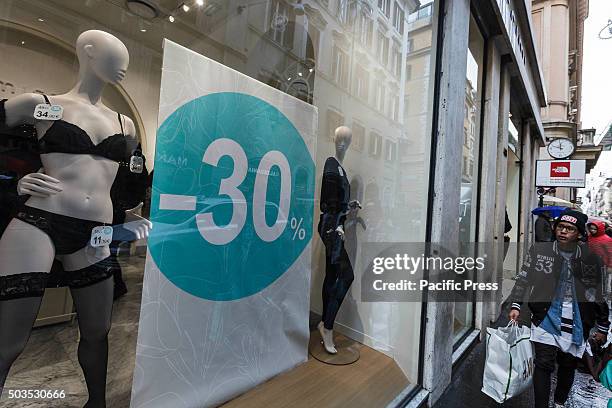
pixel 560 148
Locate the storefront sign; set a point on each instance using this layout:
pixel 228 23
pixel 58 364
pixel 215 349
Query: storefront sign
pixel 560 173
pixel 226 290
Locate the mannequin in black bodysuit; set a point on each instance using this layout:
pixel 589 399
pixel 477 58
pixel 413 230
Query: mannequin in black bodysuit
pixel 335 205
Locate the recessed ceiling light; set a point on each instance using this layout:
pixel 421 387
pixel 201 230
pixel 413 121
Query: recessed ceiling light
pixel 41 19
pixel 200 2
pixel 23 43
pixel 171 19
pixel 143 30
pixel 185 8
pixel 311 69
pixel 299 73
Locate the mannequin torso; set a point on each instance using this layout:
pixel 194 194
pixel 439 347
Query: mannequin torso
pixel 85 179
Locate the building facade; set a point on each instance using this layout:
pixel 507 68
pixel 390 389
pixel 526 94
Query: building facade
pixel 559 35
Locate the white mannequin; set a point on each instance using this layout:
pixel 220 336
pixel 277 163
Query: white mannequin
pixel 342 140
pixel 73 185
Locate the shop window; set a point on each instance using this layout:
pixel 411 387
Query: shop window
pixel 375 147
pixel 468 222
pixel 279 43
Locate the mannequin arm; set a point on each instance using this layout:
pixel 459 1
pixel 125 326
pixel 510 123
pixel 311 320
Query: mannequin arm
pixel 135 226
pixel 20 109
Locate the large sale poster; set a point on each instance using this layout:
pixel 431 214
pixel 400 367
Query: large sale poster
pixel 226 289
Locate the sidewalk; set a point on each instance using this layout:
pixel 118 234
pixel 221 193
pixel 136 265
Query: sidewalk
pixel 464 391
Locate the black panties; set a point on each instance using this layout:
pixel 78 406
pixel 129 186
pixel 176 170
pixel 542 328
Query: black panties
pixel 68 234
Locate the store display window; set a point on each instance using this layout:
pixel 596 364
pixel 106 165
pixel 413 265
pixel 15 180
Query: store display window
pixel 186 190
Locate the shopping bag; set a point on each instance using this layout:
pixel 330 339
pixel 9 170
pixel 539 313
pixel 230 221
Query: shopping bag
pixel 509 363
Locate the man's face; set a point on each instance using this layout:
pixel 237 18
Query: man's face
pixel 593 229
pixel 566 232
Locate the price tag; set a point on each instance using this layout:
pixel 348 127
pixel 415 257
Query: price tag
pixel 44 111
pixel 136 164
pixel 101 236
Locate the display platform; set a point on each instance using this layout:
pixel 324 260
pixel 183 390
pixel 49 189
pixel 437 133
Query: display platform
pixel 348 349
pixel 369 382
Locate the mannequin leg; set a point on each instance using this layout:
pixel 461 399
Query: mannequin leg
pixel 24 251
pixel 336 284
pixel 17 317
pixel 331 275
pixel 94 307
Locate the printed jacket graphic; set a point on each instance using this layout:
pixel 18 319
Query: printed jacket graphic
pixel 540 275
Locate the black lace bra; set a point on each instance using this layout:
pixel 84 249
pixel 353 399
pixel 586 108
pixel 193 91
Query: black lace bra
pixel 66 137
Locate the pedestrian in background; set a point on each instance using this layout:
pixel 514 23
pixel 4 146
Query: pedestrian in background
pixel 563 281
pixel 543 230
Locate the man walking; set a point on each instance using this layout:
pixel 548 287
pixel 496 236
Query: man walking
pixel 563 281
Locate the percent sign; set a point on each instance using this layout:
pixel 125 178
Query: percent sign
pixel 296 226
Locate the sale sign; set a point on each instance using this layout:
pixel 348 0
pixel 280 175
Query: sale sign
pixel 227 280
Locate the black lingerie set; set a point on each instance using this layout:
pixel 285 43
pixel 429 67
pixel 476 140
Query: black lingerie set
pixel 68 234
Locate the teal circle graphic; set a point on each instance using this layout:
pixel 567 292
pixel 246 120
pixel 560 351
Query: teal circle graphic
pixel 247 264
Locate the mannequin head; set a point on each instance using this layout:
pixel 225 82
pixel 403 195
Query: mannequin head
pixel 342 139
pixel 102 55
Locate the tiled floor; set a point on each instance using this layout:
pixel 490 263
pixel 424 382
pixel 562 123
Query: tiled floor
pixel 50 362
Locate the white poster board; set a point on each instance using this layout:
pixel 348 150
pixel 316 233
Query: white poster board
pixel 226 289
pixel 560 173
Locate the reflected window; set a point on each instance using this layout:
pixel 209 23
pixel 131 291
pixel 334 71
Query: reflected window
pixel 464 310
pixel 375 147
pixel 362 82
pixel 398 18
pixel 281 31
pixel 358 141
pixel 340 67
pixel 334 120
pixel 385 7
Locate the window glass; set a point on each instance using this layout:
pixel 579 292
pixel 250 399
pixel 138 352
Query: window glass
pixel 469 169
pixel 362 64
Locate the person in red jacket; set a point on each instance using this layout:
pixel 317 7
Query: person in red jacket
pixel 601 244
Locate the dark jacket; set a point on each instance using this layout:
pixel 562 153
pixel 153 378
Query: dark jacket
pixel 539 277
pixel 335 194
pixel 543 230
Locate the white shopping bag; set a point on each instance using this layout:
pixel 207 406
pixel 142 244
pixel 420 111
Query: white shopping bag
pixel 509 364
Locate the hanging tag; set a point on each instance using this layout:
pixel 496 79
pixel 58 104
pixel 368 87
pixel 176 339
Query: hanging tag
pixel 136 164
pixel 44 111
pixel 101 236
